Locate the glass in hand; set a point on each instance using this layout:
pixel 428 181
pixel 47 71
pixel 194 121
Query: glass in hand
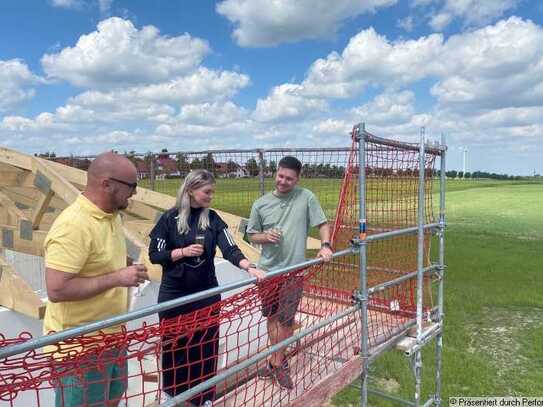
pixel 138 292
pixel 199 239
pixel 277 230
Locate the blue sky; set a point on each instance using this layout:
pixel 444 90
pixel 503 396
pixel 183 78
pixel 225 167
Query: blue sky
pixel 84 76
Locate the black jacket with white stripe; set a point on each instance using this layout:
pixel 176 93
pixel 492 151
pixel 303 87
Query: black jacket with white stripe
pixel 189 274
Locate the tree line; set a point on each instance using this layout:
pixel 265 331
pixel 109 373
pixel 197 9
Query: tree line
pixel 480 174
pixel 185 163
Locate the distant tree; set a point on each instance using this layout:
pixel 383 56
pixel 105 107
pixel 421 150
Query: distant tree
pixel 252 167
pixel 196 164
pixel 272 167
pixel 209 163
pixel 467 175
pixel 47 154
pixel 451 174
pixel 182 163
pixel 307 170
pixel 231 166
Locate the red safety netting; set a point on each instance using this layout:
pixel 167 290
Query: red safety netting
pixel 171 356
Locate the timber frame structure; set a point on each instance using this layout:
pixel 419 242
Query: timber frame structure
pixel 33 192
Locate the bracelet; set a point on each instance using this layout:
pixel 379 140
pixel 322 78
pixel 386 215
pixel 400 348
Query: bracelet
pixel 182 253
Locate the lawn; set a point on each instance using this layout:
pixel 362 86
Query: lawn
pixel 237 195
pixel 493 340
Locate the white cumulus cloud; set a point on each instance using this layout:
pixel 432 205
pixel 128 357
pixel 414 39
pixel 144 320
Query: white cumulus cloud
pixel 15 83
pixel 118 54
pixel 212 114
pixel 268 23
pixel 332 127
pixel 69 4
pixel 387 108
pixel 470 12
pixel 369 58
pixel 285 102
pixel 496 66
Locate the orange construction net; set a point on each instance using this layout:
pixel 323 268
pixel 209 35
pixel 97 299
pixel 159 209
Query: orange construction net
pixel 168 357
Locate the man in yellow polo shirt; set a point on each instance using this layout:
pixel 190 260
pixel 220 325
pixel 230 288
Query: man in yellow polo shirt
pixel 87 276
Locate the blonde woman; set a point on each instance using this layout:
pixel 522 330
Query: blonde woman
pixel 184 242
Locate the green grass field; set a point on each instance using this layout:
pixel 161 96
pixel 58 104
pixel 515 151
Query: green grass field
pixel 493 340
pixel 237 195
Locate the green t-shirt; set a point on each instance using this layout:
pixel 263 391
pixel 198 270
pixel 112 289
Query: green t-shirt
pixel 294 213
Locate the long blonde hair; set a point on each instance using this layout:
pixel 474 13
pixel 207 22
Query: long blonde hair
pixel 194 180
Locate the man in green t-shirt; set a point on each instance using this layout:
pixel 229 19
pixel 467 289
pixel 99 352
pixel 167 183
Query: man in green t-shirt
pixel 280 222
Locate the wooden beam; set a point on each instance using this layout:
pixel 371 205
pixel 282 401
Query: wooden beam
pixel 142 210
pixel 10 238
pixel 62 188
pixel 71 174
pixel 13 177
pixel 8 167
pixel 29 196
pixel 12 157
pixel 47 220
pixel 26 162
pixel 15 213
pixel 17 295
pixel 321 391
pixel 28 192
pixel 141 228
pixel 41 208
pixel 153 198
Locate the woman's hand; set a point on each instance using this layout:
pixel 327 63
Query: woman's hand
pixel 190 251
pixel 193 250
pixel 257 273
pixel 252 270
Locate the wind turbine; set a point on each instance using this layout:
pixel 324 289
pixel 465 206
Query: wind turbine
pixel 464 161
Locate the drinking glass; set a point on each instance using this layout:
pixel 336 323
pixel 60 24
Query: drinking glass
pixel 138 292
pixel 199 239
pixel 278 230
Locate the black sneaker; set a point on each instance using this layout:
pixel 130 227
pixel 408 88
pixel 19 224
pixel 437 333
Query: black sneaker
pixel 266 372
pixel 282 376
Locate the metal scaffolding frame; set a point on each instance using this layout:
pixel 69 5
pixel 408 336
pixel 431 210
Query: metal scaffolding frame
pixel 435 331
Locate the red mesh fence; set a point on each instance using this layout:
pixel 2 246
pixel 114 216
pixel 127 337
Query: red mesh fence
pixel 146 364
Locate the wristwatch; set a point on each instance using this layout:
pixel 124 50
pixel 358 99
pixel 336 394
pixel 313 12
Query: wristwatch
pixel 326 244
pixel 251 265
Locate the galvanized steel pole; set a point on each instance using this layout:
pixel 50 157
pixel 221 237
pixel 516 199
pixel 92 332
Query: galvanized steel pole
pixel 440 311
pixel 152 174
pixel 363 293
pixel 420 268
pixel 261 170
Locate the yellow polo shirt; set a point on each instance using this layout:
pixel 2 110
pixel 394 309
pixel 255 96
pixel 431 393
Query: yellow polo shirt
pixel 87 241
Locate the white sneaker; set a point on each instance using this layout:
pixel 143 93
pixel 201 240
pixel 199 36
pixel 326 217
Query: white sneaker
pixel 208 403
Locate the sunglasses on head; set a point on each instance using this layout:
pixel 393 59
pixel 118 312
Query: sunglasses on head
pixel 132 185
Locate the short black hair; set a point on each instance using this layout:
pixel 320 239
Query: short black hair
pixel 292 163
